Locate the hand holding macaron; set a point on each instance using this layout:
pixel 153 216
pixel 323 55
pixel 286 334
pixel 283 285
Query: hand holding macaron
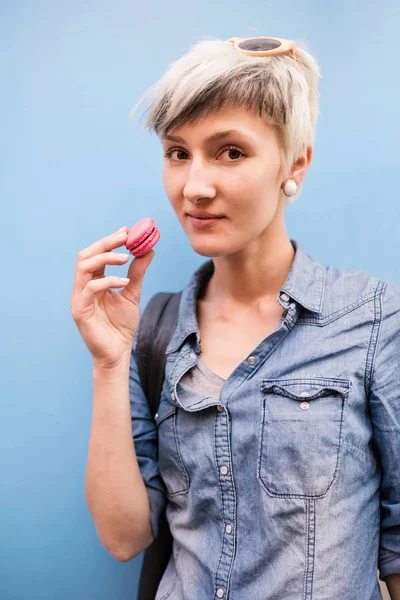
pixel 108 320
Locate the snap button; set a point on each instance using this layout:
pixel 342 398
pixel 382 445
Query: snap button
pixel 251 360
pixel 173 396
pixel 224 470
pixel 192 354
pixel 228 528
pixel 285 297
pixel 156 416
pixel 220 408
pixel 220 593
pixel 304 405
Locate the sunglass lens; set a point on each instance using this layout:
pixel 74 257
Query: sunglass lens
pixel 259 45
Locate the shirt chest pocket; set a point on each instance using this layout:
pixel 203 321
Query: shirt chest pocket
pixel 300 435
pixel 170 462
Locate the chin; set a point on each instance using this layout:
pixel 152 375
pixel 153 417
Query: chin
pixel 210 249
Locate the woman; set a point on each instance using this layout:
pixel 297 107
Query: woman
pixel 276 443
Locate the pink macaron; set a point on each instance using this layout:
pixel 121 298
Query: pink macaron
pixel 142 237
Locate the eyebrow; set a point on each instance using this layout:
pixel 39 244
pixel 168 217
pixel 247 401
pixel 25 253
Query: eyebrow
pixel 212 138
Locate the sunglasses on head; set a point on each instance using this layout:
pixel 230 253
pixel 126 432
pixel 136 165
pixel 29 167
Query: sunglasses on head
pixel 264 46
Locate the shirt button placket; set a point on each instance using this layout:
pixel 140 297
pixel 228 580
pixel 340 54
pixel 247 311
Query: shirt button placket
pixel 223 457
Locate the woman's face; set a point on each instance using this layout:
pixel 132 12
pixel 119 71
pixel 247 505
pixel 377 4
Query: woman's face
pixel 237 176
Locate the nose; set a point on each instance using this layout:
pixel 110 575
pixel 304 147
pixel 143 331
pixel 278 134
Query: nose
pixel 198 184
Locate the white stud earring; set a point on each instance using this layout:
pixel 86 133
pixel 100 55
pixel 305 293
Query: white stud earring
pixel 290 187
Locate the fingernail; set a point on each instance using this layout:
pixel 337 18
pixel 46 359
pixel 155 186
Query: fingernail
pixel 122 228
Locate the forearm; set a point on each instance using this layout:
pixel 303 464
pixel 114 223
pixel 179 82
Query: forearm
pixel 393 585
pixel 114 488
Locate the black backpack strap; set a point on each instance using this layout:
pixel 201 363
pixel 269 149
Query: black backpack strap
pixel 156 327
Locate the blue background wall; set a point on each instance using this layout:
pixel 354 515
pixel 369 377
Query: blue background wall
pixel 74 168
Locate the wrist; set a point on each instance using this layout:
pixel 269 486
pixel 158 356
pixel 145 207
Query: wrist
pixel 112 370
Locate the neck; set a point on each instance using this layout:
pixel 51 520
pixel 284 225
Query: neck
pixel 257 273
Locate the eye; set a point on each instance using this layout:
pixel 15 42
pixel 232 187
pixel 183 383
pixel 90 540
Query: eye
pixel 169 153
pixel 233 149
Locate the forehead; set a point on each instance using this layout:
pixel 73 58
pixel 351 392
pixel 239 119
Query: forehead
pixel 223 123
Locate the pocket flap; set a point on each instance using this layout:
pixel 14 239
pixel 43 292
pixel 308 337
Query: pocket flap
pixel 306 388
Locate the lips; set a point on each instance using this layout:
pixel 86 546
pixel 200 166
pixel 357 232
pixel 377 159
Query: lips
pixel 205 216
pixel 203 223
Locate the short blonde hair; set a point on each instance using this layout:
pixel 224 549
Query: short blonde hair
pixel 213 74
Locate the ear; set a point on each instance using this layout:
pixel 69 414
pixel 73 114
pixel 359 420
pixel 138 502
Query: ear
pixel 300 166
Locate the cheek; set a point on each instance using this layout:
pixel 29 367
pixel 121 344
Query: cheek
pixel 260 176
pixel 171 185
pixel 166 179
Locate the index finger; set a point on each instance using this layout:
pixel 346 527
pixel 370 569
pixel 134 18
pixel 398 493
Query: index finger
pixel 114 240
pixel 105 244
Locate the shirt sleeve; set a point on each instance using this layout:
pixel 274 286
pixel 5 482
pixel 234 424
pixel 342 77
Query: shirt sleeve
pixel 146 443
pixel 385 415
pixel 389 563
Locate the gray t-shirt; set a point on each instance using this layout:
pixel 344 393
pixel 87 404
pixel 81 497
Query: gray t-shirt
pixel 201 377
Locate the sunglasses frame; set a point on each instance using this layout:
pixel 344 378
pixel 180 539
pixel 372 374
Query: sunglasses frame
pixel 285 46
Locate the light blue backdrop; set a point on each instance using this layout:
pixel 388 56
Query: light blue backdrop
pixel 74 168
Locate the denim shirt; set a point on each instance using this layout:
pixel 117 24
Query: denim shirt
pixel 287 486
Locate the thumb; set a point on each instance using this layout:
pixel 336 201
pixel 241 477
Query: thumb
pixel 136 272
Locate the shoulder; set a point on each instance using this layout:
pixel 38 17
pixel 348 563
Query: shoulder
pixel 349 288
pixel 391 298
pixel 354 287
pixel 388 309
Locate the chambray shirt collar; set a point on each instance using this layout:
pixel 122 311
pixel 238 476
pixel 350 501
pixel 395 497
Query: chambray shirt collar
pixel 304 284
